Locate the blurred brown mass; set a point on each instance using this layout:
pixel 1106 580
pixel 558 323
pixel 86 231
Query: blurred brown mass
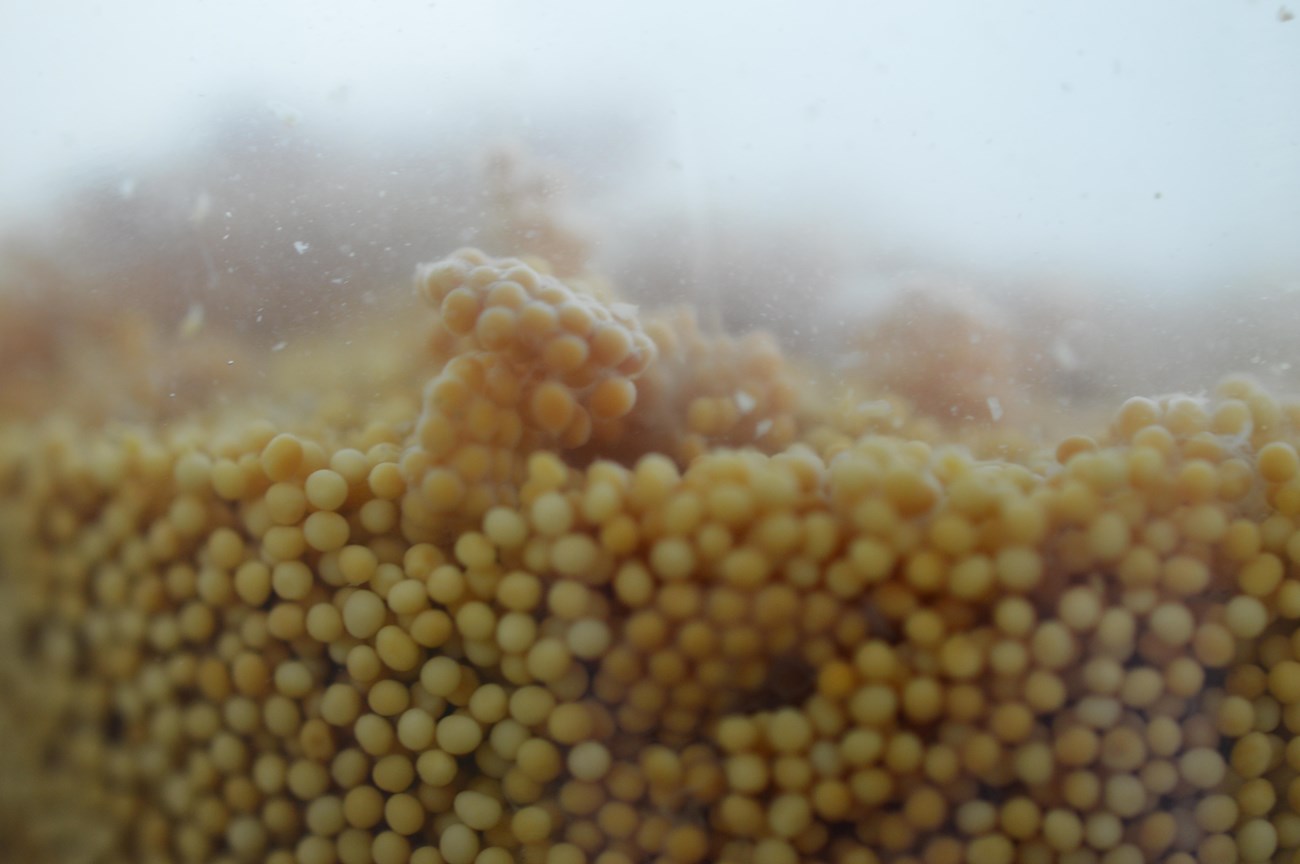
pixel 945 350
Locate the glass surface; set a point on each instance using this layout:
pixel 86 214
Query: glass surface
pixel 831 432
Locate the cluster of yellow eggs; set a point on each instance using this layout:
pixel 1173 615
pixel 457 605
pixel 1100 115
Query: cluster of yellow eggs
pixel 614 590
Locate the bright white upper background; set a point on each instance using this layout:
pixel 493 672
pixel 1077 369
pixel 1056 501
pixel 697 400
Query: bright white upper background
pixel 1157 141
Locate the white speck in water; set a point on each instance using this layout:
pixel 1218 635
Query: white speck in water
pixel 279 346
pixel 850 359
pixel 287 114
pixel 764 426
pixel 192 323
pixel 230 362
pixel 995 408
pixel 875 408
pixel 745 402
pixel 1064 355
pixel 202 207
pixel 300 247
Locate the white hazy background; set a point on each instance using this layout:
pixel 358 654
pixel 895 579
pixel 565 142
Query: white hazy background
pixel 1154 143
